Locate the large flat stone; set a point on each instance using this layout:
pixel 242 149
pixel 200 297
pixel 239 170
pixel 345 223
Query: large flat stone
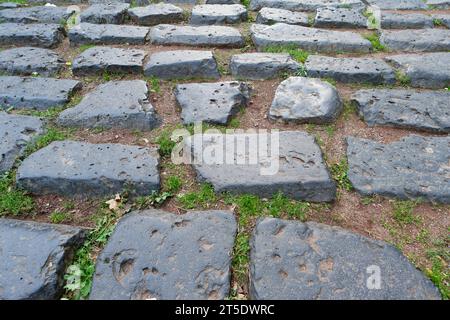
pixel 37 93
pixel 274 15
pixel 220 36
pixel 167 256
pixel 399 4
pixel 218 14
pixel 16 131
pixel 426 110
pixel 111 13
pixel 156 14
pixel 9 5
pixel 310 39
pixel 439 4
pixel 350 70
pixel 302 5
pixel 72 168
pixel 33 258
pixel 410 168
pixel 39 14
pixel 291 260
pixel 391 20
pixel 115 104
pixel 429 70
pixel 416 40
pixel 330 17
pixel 88 33
pixel 222 1
pixel 36 34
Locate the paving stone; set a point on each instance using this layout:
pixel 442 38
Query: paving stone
pixel 443 19
pixel 390 20
pixel 39 14
pixel 112 13
pixel 156 14
pixel 38 93
pixel 439 4
pixel 291 260
pixel 296 168
pixel 98 60
pixel 88 33
pixel 399 4
pixel 181 64
pixel 72 168
pixel 38 35
pixel 304 100
pixel 274 15
pixel 211 102
pixel 218 14
pixel 9 5
pixel 260 66
pixel 220 36
pixel 310 39
pixel 28 60
pixel 156 261
pixel 413 167
pixel 16 131
pixel 33 258
pixel 340 18
pixel 302 5
pixel 350 70
pixel 426 110
pixel 428 70
pixel 416 40
pixel 223 1
pixel 181 1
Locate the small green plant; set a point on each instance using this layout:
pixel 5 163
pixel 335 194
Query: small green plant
pixel 202 198
pixel 330 81
pixel 439 272
pixel 402 78
pixel 154 84
pixel 174 184
pixel 42 141
pixel 437 22
pixel 374 39
pixel 331 130
pixel 403 212
pixel 166 144
pixel 349 109
pixel 339 172
pixel 234 123
pixel 295 52
pixel 241 257
pixel 106 76
pixel 155 199
pixel 13 201
pixel 311 19
pixel 245 3
pixel 59 217
pixel 50 113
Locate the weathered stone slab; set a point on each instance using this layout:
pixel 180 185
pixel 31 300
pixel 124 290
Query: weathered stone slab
pixel 309 39
pixel 439 4
pixel 350 70
pixel 304 100
pixel 38 35
pixel 39 14
pixel 259 66
pixel 181 64
pixel 223 1
pixel 296 168
pixel 38 93
pixel 156 14
pixel 29 60
pixel 88 33
pixel 302 5
pixel 72 168
pixel 274 15
pixel 330 17
pixel 391 20
pixel 413 167
pixel 115 104
pixel 218 14
pixel 157 260
pixel 16 131
pixel 428 70
pixel 399 4
pixel 33 258
pixel 416 40
pixel 9 5
pixel 97 60
pixel 220 36
pixel 111 13
pixel 291 260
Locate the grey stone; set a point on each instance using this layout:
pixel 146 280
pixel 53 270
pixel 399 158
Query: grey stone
pixel 167 256
pixel 443 19
pixel 211 102
pixel 350 70
pixel 156 14
pixel 439 4
pixel 259 66
pixel 428 111
pixel 399 4
pixel 181 1
pixel 303 5
pixel 16 131
pixel 340 18
pixel 390 20
pixel 291 260
pixel 304 100
pixel 38 93
pixel 38 35
pixel 218 14
pixel 428 70
pixel 112 13
pixel 223 1
pixel 309 39
pixel 72 168
pixel 88 33
pixel 115 104
pixel 39 14
pixel 220 36
pixel 410 168
pixel 28 60
pixel 274 15
pixel 416 40
pixel 296 168
pixel 9 5
pixel 97 60
pixel 181 64
pixel 33 258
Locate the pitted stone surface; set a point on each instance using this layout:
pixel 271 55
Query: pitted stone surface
pixel 218 14
pixel 439 4
pixel 33 258
pixel 340 18
pixel 179 64
pixel 167 256
pixel 211 102
pixel 416 40
pixel 274 15
pixel 39 14
pixel 309 39
pixel 88 33
pixel 302 5
pixel 390 20
pixel 72 168
pixel 298 170
pixel 38 93
pixel 304 100
pixel 156 14
pixel 36 34
pixel 426 110
pixel 413 167
pixel 28 60
pixel 291 260
pixel 111 13
pixel 399 4
pixel 349 70
pixel 259 66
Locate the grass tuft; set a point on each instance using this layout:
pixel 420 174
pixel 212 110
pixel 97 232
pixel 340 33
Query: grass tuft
pixel 296 53
pixel 12 201
pixel 374 39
